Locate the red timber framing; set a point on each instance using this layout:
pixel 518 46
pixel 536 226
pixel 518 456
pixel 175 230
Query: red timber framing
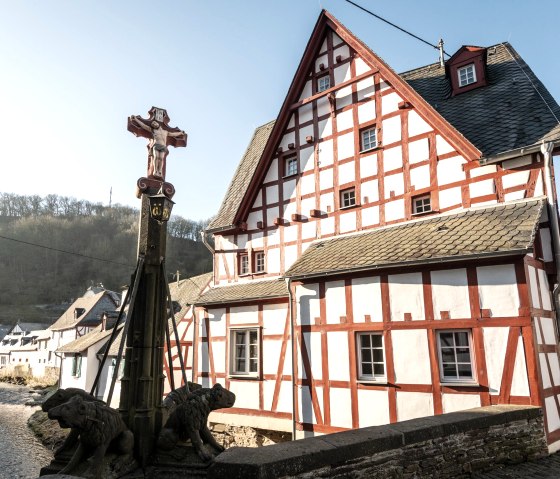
pixel 514 327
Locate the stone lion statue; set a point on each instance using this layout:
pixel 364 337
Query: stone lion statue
pixel 98 426
pixel 189 420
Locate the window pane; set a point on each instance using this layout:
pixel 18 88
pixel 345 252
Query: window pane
pixel 376 340
pixel 462 338
pixel 366 355
pixel 253 366
pixel 463 355
pixel 446 339
pixel 365 340
pixel 253 351
pixel 240 365
pixel 378 355
pixel 465 370
pixel 379 369
pixel 447 355
pixel 449 371
pixel 253 337
pixel 240 337
pixel 366 369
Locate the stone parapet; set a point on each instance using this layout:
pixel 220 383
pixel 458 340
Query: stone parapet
pixel 451 445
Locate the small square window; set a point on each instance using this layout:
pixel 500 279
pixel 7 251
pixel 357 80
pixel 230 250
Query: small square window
pixel 323 83
pixel 291 166
pixel 421 204
pixel 243 264
pixel 369 139
pixel 348 198
pixel 244 352
pixel 455 356
pixel 371 356
pixel 467 75
pixel 259 262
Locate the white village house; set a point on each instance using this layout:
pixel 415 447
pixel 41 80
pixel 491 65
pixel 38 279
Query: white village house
pixel 395 235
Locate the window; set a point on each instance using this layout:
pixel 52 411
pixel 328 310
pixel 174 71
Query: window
pixel 371 358
pixel 369 139
pixel 421 204
pixel 323 83
pixel 259 262
pixel 291 166
pixel 455 356
pixel 466 75
pixel 245 352
pixel 243 264
pixel 348 198
pixel 77 365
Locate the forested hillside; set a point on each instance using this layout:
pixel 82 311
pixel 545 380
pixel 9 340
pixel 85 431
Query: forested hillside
pixel 34 232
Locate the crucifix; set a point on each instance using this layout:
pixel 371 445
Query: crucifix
pixel 160 135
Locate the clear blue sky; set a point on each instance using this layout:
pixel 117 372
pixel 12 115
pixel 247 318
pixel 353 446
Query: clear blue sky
pixel 73 71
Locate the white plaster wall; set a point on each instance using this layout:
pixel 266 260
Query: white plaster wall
pixel 418 151
pixel 497 288
pixel 392 158
pixel 346 171
pixel 287 139
pixel 390 103
pixel 495 345
pixel 346 146
pixel 307 91
pixel 552 419
pixel 307 297
pixel 554 368
pixel 442 146
pixel 545 376
pixel 366 111
pixel 549 333
pixel 305 113
pixel 373 407
pixel 290 256
pixel 416 124
pixel 391 130
pixel 327 225
pixel 482 188
pixel 411 356
pixel 519 381
pixel 307 183
pixel 450 293
pixel 394 183
pixel 450 170
pixel 460 402
pixel 335 301
pixel 343 97
pixel 243 315
pixel 273 261
pixel 535 300
pixel 271 355
pixel 326 200
pixel 515 179
pixel 290 232
pixel 217 322
pixel 539 187
pixel 348 222
pixel 305 405
pixel 326 153
pixel 253 218
pixel 308 229
pixel 545 291
pixel 406 296
pixel 546 243
pixel 411 405
pixel 246 393
pixel 361 66
pixel 272 194
pixel 325 128
pixel 219 354
pixel 341 410
pixel 344 121
pixel 303 132
pixel 450 197
pixel 343 51
pixel 368 165
pixel 370 216
pixel 420 177
pixel 338 357
pixel 366 299
pixel 370 189
pixel 284 396
pixel 289 189
pixel 394 210
pixel 258 200
pixel 274 318
pixel 272 173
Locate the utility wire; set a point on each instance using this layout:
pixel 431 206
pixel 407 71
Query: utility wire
pixel 395 26
pixel 66 252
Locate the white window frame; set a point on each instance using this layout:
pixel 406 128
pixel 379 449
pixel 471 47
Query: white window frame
pixel 244 267
pixel 456 379
pixel 419 209
pixel 291 166
pixel 323 85
pixel 347 195
pixel 246 372
pixel 259 261
pixel 76 371
pixel 371 377
pixel 366 137
pixel 467 69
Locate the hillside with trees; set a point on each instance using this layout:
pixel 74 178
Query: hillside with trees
pixel 53 248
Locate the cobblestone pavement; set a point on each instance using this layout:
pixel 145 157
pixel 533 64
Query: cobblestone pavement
pixel 546 468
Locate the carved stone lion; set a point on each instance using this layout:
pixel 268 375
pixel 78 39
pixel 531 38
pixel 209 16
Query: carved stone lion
pixel 60 397
pixel 190 418
pixel 98 426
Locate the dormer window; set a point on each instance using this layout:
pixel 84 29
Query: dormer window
pixel 466 75
pixel 421 204
pixel 323 83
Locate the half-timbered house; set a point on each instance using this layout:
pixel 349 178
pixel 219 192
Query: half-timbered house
pixel 386 247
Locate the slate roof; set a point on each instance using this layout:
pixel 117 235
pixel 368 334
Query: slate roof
pixel 479 232
pixel 87 340
pixel 507 114
pixel 241 178
pixel 94 306
pixel 187 291
pixel 239 292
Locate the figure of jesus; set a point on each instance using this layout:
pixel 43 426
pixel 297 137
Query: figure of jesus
pixel 157 147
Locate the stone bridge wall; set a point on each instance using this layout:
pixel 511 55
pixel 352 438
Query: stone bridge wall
pixel 448 446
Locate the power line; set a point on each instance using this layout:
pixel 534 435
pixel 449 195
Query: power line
pixel 66 252
pixel 396 26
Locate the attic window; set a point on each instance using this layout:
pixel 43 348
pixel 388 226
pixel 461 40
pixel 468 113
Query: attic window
pixel 466 75
pixel 421 204
pixel 323 83
pixel 78 312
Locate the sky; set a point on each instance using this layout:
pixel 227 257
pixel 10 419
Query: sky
pixel 72 72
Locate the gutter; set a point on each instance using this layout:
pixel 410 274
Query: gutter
pixel 205 241
pixel 447 259
pixel 546 150
pixel 510 154
pixel 294 359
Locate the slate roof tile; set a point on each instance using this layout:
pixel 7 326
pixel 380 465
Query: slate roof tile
pixel 490 231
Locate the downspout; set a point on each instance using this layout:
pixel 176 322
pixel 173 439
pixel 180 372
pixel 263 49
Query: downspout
pixel 60 369
pixel 546 150
pixel 294 359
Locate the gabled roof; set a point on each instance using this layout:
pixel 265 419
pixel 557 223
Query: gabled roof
pixel 507 229
pixel 514 110
pixel 26 327
pixel 86 341
pixel 92 304
pixel 241 292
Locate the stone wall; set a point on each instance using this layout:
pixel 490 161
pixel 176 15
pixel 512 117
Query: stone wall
pixel 447 446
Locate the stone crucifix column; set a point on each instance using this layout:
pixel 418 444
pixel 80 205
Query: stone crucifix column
pixel 142 382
